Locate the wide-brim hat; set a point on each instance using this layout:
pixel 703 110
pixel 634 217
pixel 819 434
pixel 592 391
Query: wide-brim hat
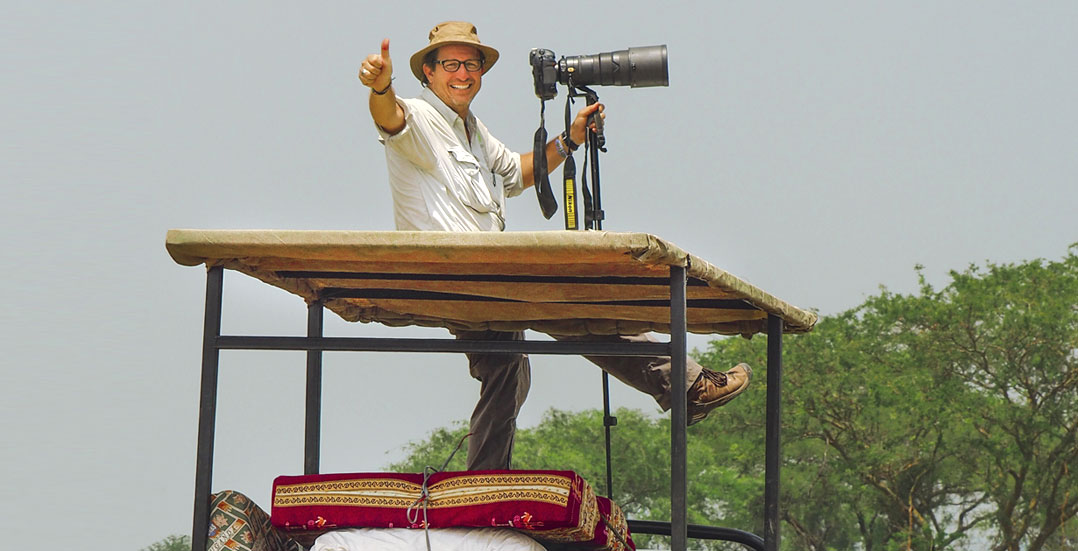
pixel 453 32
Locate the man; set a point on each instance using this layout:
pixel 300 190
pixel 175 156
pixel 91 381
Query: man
pixel 447 173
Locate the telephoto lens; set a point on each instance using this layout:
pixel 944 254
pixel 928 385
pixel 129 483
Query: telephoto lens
pixel 635 67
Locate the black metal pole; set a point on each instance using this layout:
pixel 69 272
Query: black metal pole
pixel 207 408
pixel 313 420
pixel 386 344
pixel 593 155
pixel 773 451
pixel 697 531
pixel 597 204
pixel 678 414
pixel 608 421
pixel 596 143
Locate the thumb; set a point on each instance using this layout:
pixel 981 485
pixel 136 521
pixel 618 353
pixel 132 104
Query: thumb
pixel 386 75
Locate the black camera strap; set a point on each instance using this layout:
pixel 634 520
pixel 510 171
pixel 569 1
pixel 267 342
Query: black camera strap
pixel 589 210
pixel 593 144
pixel 547 203
pixel 569 174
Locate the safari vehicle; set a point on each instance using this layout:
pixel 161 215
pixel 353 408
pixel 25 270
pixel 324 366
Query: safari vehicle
pixel 555 282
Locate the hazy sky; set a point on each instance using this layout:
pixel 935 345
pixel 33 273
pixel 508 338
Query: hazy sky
pixel 816 150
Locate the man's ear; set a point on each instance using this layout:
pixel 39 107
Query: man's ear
pixel 427 71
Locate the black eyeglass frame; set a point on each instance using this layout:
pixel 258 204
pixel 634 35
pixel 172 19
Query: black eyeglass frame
pixel 457 63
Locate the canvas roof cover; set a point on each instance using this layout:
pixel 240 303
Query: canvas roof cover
pixel 557 282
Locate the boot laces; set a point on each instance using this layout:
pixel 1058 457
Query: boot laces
pixel 716 377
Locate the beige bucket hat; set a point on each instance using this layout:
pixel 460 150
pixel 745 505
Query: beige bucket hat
pixel 453 32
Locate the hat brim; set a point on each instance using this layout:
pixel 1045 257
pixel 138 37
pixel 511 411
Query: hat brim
pixel 490 56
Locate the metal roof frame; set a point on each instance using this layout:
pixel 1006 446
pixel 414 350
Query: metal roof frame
pixel 315 344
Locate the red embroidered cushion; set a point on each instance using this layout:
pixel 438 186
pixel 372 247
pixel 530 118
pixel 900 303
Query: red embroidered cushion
pixel 612 533
pixel 326 501
pixel 547 505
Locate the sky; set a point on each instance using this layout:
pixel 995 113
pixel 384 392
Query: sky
pixel 819 151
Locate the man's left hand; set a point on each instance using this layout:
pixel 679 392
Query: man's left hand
pixel 578 130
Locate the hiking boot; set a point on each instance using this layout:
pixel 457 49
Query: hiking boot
pixel 713 389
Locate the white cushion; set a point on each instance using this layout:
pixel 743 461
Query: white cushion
pixel 441 539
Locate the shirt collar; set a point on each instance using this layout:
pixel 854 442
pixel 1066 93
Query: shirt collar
pixel 448 113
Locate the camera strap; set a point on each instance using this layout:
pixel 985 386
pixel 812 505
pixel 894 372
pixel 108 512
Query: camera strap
pixel 589 206
pixel 569 175
pixel 593 144
pixel 547 203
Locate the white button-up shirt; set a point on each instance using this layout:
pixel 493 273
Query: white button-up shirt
pixel 440 180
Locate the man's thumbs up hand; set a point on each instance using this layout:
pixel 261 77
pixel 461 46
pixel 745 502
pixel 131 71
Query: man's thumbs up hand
pixel 377 70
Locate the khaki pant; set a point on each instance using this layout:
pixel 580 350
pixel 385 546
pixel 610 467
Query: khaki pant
pixel 506 378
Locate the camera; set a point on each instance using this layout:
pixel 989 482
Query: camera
pixel 635 67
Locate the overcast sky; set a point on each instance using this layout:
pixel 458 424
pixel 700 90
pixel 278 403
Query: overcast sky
pixel 818 151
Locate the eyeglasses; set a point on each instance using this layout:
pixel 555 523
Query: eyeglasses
pixel 453 65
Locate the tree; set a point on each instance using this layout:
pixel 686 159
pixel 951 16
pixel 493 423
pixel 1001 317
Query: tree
pixel 1010 332
pixel 940 414
pixel 171 543
pixel 869 458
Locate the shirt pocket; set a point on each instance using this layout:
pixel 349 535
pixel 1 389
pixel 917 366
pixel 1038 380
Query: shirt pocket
pixel 468 181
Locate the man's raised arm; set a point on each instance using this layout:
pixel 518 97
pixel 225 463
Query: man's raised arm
pixel 376 72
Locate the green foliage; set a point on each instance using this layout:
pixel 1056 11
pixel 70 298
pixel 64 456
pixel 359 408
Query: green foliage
pixel 864 437
pixel 171 543
pixel 915 422
pixel 435 450
pixel 1010 334
pixel 933 421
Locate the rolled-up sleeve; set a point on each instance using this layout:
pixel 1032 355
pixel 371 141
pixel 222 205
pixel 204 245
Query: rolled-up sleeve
pixel 411 142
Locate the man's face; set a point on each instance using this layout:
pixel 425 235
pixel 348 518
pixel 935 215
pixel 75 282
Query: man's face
pixel 456 89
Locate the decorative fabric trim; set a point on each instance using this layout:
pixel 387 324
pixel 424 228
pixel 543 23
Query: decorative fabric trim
pixel 237 524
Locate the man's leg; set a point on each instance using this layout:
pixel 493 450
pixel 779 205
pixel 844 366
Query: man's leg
pixel 651 374
pixel 505 380
pixel 648 374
